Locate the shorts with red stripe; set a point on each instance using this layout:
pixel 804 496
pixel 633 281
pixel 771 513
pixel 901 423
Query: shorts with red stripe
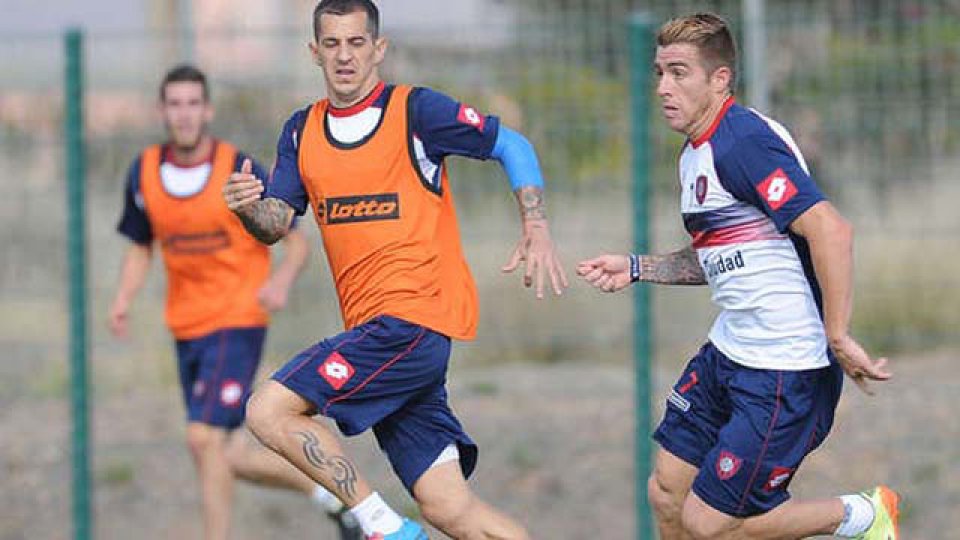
pixel 216 374
pixel 389 375
pixel 746 430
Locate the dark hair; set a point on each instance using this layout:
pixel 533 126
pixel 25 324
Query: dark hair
pixel 185 73
pixel 345 7
pixel 710 34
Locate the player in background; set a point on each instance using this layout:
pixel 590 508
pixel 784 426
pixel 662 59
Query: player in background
pixel 761 393
pixel 219 293
pixel 369 160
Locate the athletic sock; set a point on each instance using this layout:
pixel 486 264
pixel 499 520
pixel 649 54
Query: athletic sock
pixel 326 500
pixel 858 515
pixel 375 516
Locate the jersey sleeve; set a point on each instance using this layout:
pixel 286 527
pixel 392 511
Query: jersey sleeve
pixel 284 182
pixel 763 171
pixel 134 223
pixel 447 127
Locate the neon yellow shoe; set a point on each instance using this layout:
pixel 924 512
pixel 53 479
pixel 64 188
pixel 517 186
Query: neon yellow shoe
pixel 886 520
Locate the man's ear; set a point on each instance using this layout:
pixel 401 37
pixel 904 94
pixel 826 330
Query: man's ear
pixel 721 78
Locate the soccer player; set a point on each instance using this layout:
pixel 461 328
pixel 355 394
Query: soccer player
pixel 369 160
pixel 219 293
pixel 761 393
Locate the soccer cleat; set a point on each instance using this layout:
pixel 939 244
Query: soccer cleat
pixel 886 514
pixel 346 524
pixel 411 530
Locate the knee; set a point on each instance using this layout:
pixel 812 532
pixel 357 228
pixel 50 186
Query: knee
pixel 667 502
pixel 262 418
pixel 202 440
pixel 447 513
pixel 701 527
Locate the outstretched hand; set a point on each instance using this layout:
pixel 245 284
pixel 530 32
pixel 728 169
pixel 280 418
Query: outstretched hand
pixel 609 273
pixel 858 365
pixel 242 188
pixel 536 249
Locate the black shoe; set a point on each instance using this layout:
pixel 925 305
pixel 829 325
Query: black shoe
pixel 347 525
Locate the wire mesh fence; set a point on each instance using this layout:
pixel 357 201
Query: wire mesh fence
pixel 870 88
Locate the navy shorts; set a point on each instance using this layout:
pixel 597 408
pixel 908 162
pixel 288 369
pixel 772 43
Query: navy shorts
pixel 216 374
pixel 747 430
pixel 387 374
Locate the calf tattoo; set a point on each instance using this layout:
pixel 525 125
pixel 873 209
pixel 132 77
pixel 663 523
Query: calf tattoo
pixel 338 468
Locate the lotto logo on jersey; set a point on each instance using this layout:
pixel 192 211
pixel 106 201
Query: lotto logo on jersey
pixel 358 208
pixel 469 116
pixel 230 393
pixel 777 189
pixel 336 370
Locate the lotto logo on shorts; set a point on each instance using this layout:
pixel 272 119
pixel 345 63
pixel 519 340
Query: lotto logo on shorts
pixel 727 465
pixel 469 116
pixel 230 393
pixel 777 189
pixel 778 479
pixel 336 370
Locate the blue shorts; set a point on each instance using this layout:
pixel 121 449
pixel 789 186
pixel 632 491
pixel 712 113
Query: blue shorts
pixel 387 374
pixel 216 374
pixel 746 429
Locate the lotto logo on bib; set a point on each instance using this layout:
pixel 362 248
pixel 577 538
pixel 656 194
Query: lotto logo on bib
pixel 336 370
pixel 777 189
pixel 469 116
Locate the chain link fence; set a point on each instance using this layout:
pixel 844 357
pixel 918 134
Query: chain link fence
pixel 870 88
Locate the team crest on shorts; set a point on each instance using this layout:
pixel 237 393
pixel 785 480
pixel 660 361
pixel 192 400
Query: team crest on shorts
pixel 727 465
pixel 230 393
pixel 336 370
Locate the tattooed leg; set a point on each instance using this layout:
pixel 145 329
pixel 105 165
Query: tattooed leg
pixel 279 418
pixel 339 468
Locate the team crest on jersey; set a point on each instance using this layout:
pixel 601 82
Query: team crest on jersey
pixel 230 393
pixel 469 116
pixel 359 208
pixel 777 189
pixel 779 478
pixel 336 370
pixel 701 188
pixel 727 465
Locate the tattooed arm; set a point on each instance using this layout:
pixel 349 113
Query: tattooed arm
pixel 267 220
pixel 614 272
pixel 536 247
pixel 677 268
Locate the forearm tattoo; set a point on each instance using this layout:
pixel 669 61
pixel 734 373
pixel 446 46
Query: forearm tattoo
pixel 677 268
pixel 338 468
pixel 531 202
pixel 266 220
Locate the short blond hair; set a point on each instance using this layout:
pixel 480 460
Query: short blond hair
pixel 710 34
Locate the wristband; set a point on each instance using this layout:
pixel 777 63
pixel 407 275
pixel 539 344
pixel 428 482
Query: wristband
pixel 634 268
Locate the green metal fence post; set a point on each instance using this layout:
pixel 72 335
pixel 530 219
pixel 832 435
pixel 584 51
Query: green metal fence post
pixel 76 245
pixel 641 58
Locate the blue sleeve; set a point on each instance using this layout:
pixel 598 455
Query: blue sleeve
pixel 446 127
pixel 763 171
pixel 134 223
pixel 518 158
pixel 284 182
